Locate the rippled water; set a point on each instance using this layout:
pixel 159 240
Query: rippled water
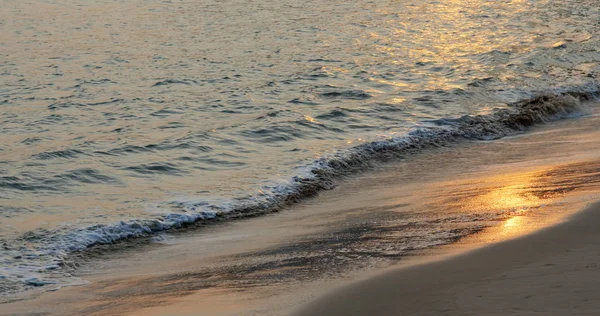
pixel 118 110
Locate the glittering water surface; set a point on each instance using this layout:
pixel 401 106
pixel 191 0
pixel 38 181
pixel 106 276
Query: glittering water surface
pixel 113 110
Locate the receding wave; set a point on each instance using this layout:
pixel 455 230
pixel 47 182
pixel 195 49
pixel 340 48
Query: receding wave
pixel 48 249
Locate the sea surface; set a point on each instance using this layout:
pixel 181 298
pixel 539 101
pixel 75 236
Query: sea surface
pixel 121 119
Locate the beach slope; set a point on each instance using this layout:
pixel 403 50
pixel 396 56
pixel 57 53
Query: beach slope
pixel 552 272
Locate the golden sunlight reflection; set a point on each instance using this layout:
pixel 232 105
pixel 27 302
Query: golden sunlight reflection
pixel 513 222
pixel 311 119
pixel 507 193
pixel 398 100
pixel 438 41
pixel 512 197
pixel 514 226
pixel 507 197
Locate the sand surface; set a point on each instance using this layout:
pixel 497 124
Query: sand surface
pixel 552 272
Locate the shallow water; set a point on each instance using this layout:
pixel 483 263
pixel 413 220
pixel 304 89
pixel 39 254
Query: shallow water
pixel 116 110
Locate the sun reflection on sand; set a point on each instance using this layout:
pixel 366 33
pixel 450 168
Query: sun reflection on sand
pixel 512 192
pixel 507 197
pixel 513 223
pixel 512 197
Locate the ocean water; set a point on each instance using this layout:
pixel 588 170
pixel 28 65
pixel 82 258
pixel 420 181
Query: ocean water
pixel 128 118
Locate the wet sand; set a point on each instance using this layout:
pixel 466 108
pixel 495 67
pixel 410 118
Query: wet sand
pixel 552 272
pixel 270 265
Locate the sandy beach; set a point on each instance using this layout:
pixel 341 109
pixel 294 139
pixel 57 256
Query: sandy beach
pixel 551 272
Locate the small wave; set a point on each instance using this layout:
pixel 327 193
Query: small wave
pixel 320 175
pixel 334 114
pixel 481 82
pixel 303 100
pixel 98 82
pixel 163 146
pixel 347 94
pixel 60 105
pixel 166 112
pixel 56 184
pixel 154 168
pixel 323 60
pixel 21 184
pixel 87 175
pixel 65 154
pixel 31 140
pixel 112 100
pixel 174 81
pixel 274 134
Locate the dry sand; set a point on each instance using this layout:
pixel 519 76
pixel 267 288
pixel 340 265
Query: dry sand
pixel 555 271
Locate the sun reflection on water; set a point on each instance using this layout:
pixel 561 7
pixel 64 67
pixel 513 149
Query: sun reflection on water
pixel 513 222
pixel 508 192
pixel 507 197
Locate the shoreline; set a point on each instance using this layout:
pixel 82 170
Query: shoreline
pixel 550 272
pixel 321 175
pixel 269 265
